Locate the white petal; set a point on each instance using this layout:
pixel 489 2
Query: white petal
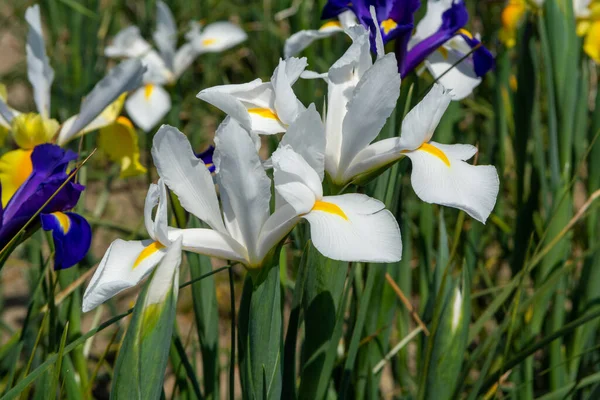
pixel 420 123
pixel 302 39
pixel 118 270
pixel 165 35
pixel 459 79
pixel 356 60
pixel 295 180
pixel 161 217
pixel 378 37
pixel 127 43
pixel 166 276
pixel 286 103
pixel 148 105
pixel 39 72
pixel 123 78
pixel 279 224
pixel 186 175
pixel 210 243
pixel 306 136
pixel 365 231
pixel 219 36
pixel 234 100
pixel 265 122
pixel 470 188
pixel 6 114
pixel 158 72
pixel 244 185
pixel 373 157
pixel 374 100
pixel 431 21
pixel 184 57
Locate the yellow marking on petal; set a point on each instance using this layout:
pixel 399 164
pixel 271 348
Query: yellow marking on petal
pixel 444 52
pixel 63 221
pixel 329 208
pixel 31 129
pixel 466 33
pixel 147 252
pixel 148 89
pixel 388 25
pixel 119 141
pixel 15 168
pixel 591 44
pixel 209 165
pixel 111 112
pixel 263 112
pixel 208 42
pixel 434 151
pixel 330 24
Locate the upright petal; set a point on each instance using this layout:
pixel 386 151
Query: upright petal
pixel 72 236
pixel 123 266
pixel 119 141
pixel 355 227
pixel 128 43
pixel 420 122
pixel 373 101
pixel 15 168
pixel 186 176
pixel 245 187
pixel 287 104
pixel 39 72
pixel 165 35
pixel 184 57
pixel 441 176
pixel 275 229
pixel 218 36
pixel 306 136
pixel 148 105
pixel 104 98
pixel 166 277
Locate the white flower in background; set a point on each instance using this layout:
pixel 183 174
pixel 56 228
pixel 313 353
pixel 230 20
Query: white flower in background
pixel 151 102
pixel 261 107
pixel 302 39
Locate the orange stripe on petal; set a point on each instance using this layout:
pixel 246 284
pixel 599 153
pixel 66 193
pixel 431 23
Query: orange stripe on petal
pixel 263 112
pixel 147 252
pixel 63 221
pixel 329 208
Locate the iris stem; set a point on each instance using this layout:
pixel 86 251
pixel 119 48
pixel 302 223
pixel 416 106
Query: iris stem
pixel 232 357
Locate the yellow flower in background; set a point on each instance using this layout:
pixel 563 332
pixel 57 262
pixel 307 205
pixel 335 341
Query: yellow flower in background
pixel 588 25
pixel 15 167
pixel 512 15
pixel 119 141
pixel 591 44
pixel 31 129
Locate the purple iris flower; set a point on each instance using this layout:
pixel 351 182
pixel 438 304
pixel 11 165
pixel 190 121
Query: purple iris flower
pixel 71 232
pixel 207 158
pixel 396 22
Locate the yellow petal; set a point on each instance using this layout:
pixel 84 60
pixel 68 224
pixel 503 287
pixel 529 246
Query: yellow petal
pixel 591 45
pixel 111 113
pixel 119 142
pixel 31 129
pixel 3 92
pixel 15 168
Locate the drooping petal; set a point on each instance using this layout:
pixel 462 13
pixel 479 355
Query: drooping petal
pixel 420 122
pixel 184 57
pixel 148 105
pixel 103 104
pixel 128 43
pixel 461 78
pixel 123 266
pixel 119 141
pixel 286 103
pixel 277 226
pixel 39 72
pixel 165 35
pixel 15 168
pixel 295 180
pixel 441 176
pixel 158 71
pixel 210 243
pixel 302 39
pixel 374 100
pixel 591 44
pixel 306 136
pixel 373 157
pixel 72 236
pixel 244 185
pixel 355 227
pixel 218 36
pixel 186 176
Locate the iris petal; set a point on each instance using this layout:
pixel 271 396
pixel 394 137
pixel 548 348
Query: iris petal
pixel 72 237
pixel 119 141
pixel 207 158
pixel 15 168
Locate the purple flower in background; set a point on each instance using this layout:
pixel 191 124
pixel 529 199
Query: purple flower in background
pixel 207 158
pixel 71 232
